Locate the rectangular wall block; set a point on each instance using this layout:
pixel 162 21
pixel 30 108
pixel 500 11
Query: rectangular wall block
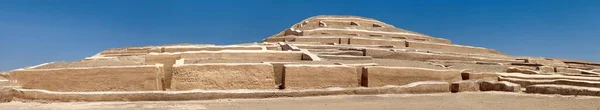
pixel 220 76
pixel 319 76
pixel 115 78
pixel 381 76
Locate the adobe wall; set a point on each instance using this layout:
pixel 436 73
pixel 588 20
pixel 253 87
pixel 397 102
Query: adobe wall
pixel 378 76
pixel 209 48
pixel 364 41
pixel 420 56
pixel 317 22
pixel 413 88
pixel 223 76
pixel 335 40
pixel 319 76
pixel 449 47
pixel 116 78
pixel 373 34
pixel 168 60
pixel 243 55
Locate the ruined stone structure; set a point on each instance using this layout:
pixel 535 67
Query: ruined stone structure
pixel 321 55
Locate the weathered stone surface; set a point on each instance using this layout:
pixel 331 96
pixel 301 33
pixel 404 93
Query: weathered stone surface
pixel 319 76
pixel 499 86
pixel 381 76
pixel 6 95
pixel 215 76
pixel 465 86
pixel 123 78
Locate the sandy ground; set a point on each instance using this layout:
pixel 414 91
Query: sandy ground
pixel 460 101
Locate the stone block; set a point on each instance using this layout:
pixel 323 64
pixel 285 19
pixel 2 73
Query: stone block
pixel 499 86
pixel 219 76
pixel 381 76
pixel 112 78
pixel 465 86
pixel 319 76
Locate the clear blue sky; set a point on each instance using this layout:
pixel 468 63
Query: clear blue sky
pixel 38 31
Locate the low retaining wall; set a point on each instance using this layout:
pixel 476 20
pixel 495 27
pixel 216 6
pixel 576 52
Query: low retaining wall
pixel 499 86
pixel 209 48
pixel 317 39
pixel 449 47
pixel 377 76
pixel 221 76
pixel 563 90
pixel 319 76
pixel 363 41
pixel 480 76
pixel 528 82
pixel 244 55
pixel 413 88
pixel 121 78
pixel 421 56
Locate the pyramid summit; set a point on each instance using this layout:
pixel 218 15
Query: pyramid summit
pixel 320 55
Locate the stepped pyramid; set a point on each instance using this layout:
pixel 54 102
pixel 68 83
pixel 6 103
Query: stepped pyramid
pixel 321 55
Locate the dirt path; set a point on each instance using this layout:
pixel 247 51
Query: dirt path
pixel 462 101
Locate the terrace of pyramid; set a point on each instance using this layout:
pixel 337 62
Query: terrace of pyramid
pixel 321 55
